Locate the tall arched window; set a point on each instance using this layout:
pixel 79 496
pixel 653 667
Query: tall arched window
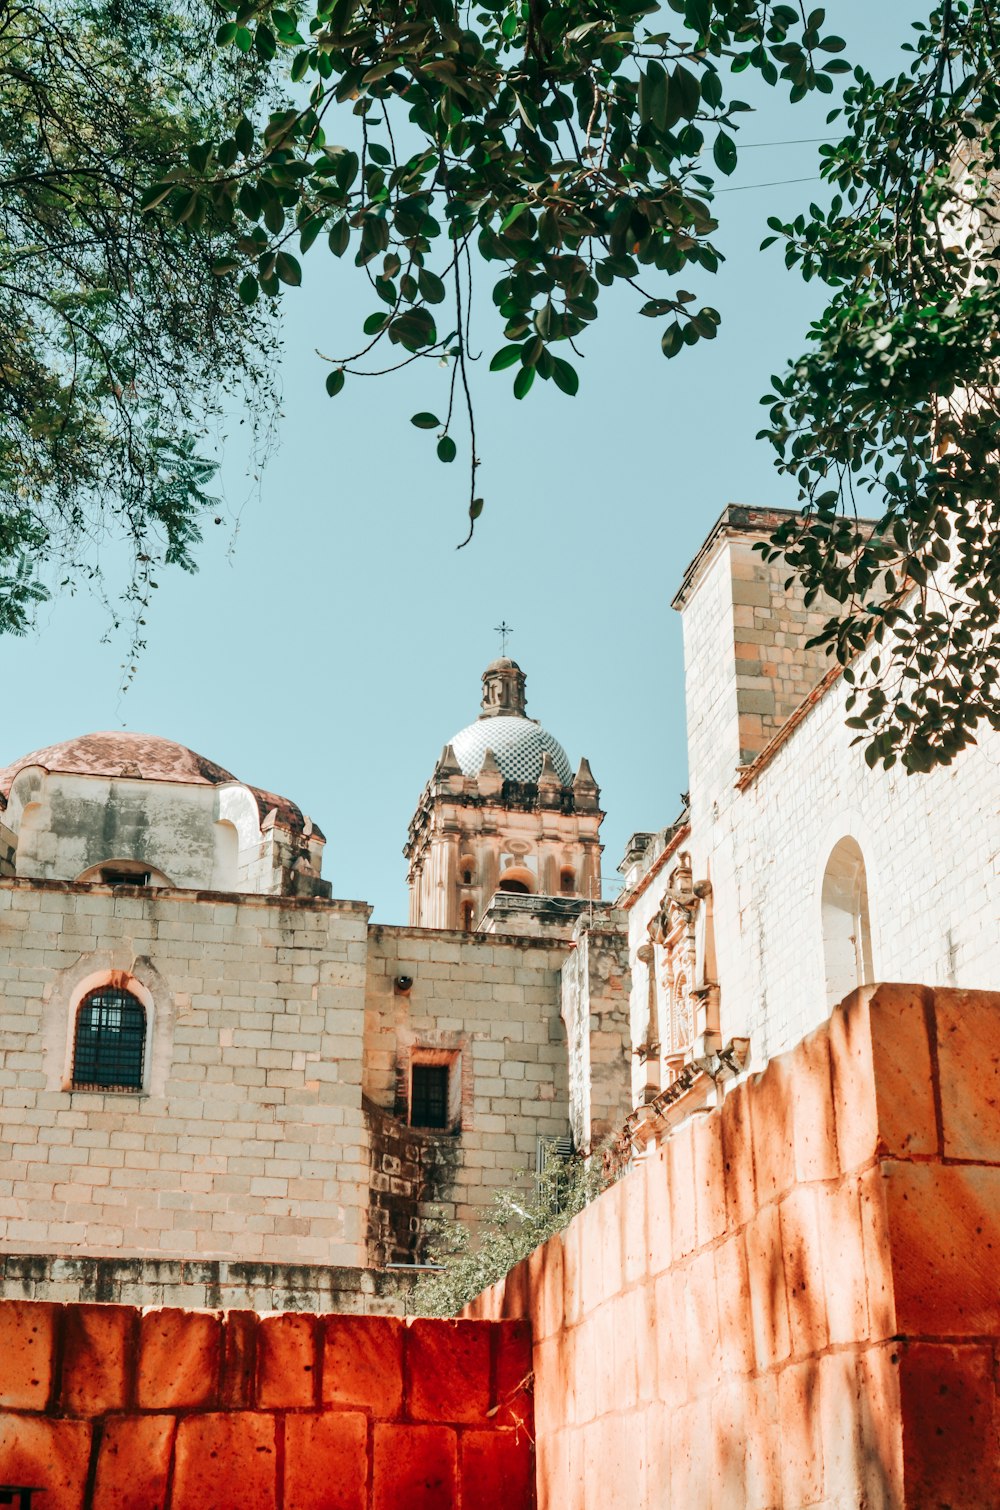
pixel 110 1041
pixel 567 881
pixel 847 940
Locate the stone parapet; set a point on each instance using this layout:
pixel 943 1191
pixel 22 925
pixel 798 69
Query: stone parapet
pixel 107 1406
pixel 196 1283
pixel 793 1302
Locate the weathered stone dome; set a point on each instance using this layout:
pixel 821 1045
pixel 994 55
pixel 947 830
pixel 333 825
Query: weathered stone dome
pixel 121 753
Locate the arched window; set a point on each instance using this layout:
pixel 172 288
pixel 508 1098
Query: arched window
pixel 517 878
pixel 567 881
pixel 467 866
pixel 110 1041
pixel 468 916
pixel 847 942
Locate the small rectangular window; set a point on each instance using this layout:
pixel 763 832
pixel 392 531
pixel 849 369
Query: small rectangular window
pixel 429 1095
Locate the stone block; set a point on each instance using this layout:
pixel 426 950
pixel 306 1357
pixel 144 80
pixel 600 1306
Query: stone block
pixel 683 1218
pixel 497 1468
pixel 286 1361
pixel 838 1213
pixel 546 1283
pixel 727 1448
pixel 448 1371
pixel 363 1363
pixel 239 1359
pixel 53 1455
pixel 803 1265
pixel 416 1468
pixel 770 1097
pixel 512 1373
pixel 27 1344
pixel 701 1308
pixel 801 1434
pixel 654 1174
pixel 949 1409
pixel 813 1121
pixel 768 1306
pixel 178 1359
pixel 735 1315
pixel 762 1465
pixel 133 1464
pixel 875 1243
pixel 226 1460
pixel 883 1082
pixel 690 1432
pixel 98 1347
pixel 326 1461
pixel 944 1233
pixel 968 1057
pixel 737 1155
pixel 709 1179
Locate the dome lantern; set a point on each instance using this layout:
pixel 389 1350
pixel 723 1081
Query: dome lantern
pixel 503 690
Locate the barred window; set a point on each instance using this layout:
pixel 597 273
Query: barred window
pixel 429 1096
pixel 110 1041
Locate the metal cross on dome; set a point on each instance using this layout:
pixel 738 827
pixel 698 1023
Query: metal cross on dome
pixel 503 629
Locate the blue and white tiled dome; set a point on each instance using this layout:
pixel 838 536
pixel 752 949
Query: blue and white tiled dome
pixel 517 743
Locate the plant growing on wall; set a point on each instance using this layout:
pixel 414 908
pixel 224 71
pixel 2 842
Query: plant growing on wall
pixel 516 1223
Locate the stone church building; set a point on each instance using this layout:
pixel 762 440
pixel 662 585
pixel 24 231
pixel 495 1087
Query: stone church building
pixel 220 1084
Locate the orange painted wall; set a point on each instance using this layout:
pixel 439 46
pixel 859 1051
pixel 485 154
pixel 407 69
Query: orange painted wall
pixel 114 1409
pixel 796 1300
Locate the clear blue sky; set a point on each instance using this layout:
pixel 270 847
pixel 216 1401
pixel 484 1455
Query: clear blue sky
pixel 330 647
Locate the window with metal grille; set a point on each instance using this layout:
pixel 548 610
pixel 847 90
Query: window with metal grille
pixel 110 1041
pixel 429 1095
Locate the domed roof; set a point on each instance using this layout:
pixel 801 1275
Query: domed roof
pixel 517 743
pixel 121 754
pixel 146 757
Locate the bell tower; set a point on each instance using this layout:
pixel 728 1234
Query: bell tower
pixel 503 813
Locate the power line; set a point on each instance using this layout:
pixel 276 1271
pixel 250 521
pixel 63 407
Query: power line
pixel 797 141
pixel 773 183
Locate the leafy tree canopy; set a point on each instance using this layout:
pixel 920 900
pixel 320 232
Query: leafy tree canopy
pixel 892 412
pixel 115 338
pixel 570 143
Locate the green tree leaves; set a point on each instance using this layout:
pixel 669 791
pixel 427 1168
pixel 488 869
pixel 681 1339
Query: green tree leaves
pixel 892 413
pixel 568 148
pixel 126 303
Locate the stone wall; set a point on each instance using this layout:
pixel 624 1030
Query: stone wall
pixel 411 1182
pixel 248 1142
pixel 489 1007
pixel 107 1407
pixel 595 1011
pixel 793 1302
pixel 269 1021
pixel 203 1282
pixel 764 837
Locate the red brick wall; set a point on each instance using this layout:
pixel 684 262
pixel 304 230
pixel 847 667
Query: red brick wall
pixel 796 1301
pixel 108 1407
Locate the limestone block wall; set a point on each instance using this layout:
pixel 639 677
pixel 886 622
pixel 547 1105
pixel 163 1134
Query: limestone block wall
pixel 107 1406
pixel 249 1141
pixel 794 1301
pixel 930 844
pixel 931 847
pixel 489 1007
pixel 595 1010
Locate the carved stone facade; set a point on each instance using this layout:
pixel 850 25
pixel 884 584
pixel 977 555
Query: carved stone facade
pixel 502 812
